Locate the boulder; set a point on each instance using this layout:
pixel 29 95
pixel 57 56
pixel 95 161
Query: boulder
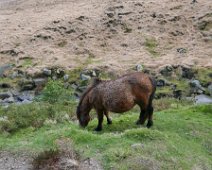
pixel 187 72
pixel 196 87
pixel 5 85
pixel 210 89
pixel 26 84
pixel 139 67
pixel 167 70
pixel 177 94
pixel 181 50
pixel 5 95
pixel 26 96
pixel 9 100
pixel 47 72
pixel 84 77
pixel 4 68
pixel 60 72
pixel 66 77
pixel 161 83
pixel 40 81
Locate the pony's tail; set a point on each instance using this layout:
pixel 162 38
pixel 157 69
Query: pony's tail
pixel 154 85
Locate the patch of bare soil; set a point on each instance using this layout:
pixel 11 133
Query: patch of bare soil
pixel 18 161
pixel 70 33
pixel 63 159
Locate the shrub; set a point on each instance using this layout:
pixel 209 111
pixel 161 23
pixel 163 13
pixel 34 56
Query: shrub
pixel 55 92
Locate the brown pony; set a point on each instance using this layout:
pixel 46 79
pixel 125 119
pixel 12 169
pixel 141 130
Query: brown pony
pixel 118 96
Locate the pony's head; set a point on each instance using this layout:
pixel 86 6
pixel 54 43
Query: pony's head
pixel 83 116
pixel 84 106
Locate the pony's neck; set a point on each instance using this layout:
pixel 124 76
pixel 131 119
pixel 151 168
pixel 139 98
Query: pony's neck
pixel 86 105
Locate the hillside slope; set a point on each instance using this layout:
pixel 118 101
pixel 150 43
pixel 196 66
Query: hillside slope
pixel 117 33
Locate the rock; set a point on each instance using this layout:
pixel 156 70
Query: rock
pixel 204 25
pixel 177 94
pixel 77 94
pixel 84 77
pixel 60 72
pixel 40 81
pixel 5 85
pixel 178 33
pixel 66 77
pixel 194 1
pixel 167 70
pixel 47 72
pixel 181 50
pixel 12 52
pixel 137 146
pixel 74 86
pixel 54 77
pixel 5 95
pixel 93 74
pixel 17 74
pixel 153 15
pixel 5 68
pixel 109 14
pixel 3 119
pixel 210 89
pixel 196 87
pixel 200 99
pixel 160 83
pixel 43 36
pixel 26 84
pixel 81 88
pixel 66 85
pixel 26 96
pixel 124 13
pixel 139 67
pixel 9 100
pixel 187 72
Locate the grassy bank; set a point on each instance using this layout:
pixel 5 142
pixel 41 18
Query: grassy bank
pixel 180 139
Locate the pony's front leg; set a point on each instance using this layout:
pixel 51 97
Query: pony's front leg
pixel 150 117
pixel 100 120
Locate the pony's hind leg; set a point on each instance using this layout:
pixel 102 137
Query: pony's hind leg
pixel 150 116
pixel 100 120
pixel 109 121
pixel 143 116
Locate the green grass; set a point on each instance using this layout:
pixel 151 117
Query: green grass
pixel 181 138
pixel 151 45
pixel 27 62
pixel 203 75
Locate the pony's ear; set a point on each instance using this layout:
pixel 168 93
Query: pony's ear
pixel 96 81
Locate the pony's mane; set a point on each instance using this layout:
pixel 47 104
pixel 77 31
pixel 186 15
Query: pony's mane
pixel 93 84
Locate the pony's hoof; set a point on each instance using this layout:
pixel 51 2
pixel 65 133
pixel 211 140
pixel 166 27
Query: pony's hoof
pixel 138 122
pixel 98 129
pixel 109 122
pixel 149 124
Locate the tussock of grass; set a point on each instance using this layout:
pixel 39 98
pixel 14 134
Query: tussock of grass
pixel 151 45
pixel 34 115
pixel 27 62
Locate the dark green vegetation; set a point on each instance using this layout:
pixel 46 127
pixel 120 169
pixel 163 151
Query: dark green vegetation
pixel 203 75
pixel 181 137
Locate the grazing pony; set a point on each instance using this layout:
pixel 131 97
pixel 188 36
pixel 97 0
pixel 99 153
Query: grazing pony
pixel 118 96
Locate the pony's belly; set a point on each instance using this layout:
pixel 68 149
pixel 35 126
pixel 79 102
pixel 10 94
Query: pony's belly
pixel 121 107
